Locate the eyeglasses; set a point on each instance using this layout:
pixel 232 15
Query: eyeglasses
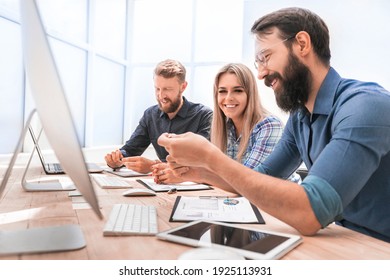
pixel 261 60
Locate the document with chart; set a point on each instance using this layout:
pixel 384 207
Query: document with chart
pixel 215 208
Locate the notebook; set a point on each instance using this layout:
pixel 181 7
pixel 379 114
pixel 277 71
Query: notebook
pixel 55 168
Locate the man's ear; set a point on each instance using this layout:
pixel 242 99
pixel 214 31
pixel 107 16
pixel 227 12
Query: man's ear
pixel 184 86
pixel 303 41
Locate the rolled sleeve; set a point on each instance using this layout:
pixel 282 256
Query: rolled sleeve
pixel 324 200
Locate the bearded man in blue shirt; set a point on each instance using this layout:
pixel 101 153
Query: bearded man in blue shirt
pixel 339 128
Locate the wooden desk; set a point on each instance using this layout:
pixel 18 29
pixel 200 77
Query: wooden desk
pixel 56 208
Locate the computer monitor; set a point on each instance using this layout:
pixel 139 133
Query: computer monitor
pixel 50 101
pixel 55 116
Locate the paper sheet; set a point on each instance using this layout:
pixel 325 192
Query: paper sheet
pixel 235 210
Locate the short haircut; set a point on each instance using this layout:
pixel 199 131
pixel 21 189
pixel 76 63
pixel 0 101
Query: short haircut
pixel 170 68
pixel 290 21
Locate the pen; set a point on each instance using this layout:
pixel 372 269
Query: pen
pixel 172 190
pixel 117 168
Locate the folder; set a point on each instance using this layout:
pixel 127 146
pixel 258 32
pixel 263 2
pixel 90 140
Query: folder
pixel 215 208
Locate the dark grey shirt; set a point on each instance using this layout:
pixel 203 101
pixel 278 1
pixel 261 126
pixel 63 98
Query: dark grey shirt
pixel 192 117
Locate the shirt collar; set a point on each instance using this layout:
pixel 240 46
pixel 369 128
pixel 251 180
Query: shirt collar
pixel 326 95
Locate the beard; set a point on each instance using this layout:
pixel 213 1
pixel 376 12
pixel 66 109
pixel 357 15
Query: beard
pixel 295 86
pixel 172 105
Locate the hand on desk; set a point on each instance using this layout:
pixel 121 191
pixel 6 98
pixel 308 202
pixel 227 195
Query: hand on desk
pixel 139 164
pixel 192 158
pixel 114 159
pixel 173 173
pixel 164 175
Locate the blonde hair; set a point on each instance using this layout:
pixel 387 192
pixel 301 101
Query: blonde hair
pixel 253 113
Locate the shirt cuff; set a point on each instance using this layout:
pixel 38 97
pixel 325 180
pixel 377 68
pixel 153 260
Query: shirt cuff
pixel 325 201
pixel 123 152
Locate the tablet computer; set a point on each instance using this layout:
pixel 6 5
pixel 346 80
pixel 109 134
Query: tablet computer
pixel 252 243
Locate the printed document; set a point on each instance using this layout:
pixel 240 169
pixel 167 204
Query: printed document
pixel 216 208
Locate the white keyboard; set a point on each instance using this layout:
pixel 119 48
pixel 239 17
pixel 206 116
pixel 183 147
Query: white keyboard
pixel 111 182
pixel 131 219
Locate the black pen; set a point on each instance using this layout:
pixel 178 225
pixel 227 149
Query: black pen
pixel 172 190
pixel 117 168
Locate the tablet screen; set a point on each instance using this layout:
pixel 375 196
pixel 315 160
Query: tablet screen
pixel 251 240
pixel 251 243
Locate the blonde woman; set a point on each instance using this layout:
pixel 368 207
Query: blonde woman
pixel 241 126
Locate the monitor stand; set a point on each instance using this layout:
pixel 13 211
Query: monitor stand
pixel 46 185
pixel 41 240
pixel 37 240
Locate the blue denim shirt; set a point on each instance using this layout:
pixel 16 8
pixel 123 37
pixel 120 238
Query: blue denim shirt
pixel 345 145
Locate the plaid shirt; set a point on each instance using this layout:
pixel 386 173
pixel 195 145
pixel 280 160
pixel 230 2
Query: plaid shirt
pixel 262 141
